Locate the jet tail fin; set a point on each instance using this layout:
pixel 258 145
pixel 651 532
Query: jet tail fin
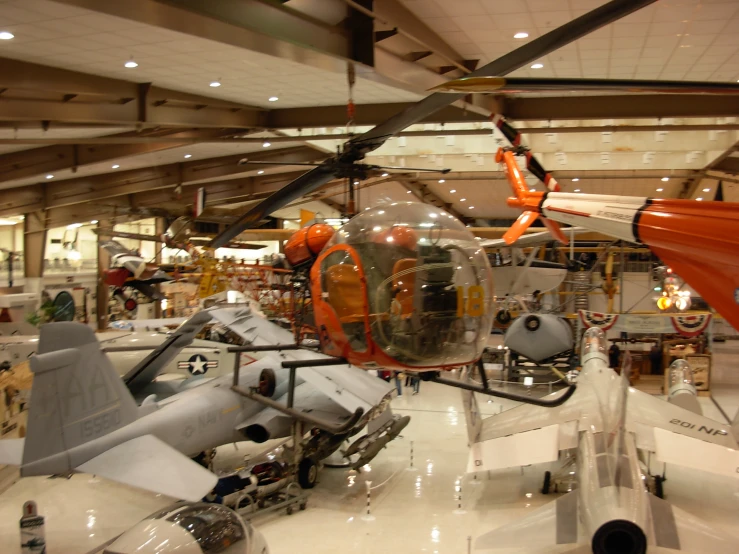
pixel 77 396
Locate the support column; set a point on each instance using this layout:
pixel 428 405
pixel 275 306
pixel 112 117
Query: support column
pixel 160 226
pixel 34 248
pixel 102 288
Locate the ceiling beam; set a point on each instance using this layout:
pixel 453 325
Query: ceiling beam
pixel 728 165
pixel 61 95
pixel 366 114
pixel 424 193
pixel 625 106
pixel 400 18
pixel 39 161
pixel 722 163
pixel 96 188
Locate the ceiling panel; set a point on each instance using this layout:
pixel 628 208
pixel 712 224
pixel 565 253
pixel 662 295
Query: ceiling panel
pixel 91 42
pixel 671 34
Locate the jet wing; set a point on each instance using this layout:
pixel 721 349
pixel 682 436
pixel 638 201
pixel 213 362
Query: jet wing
pixel 555 523
pixel 533 239
pixel 348 386
pixel 114 248
pixel 148 463
pixel 147 289
pixel 646 412
pixel 528 434
pixel 151 366
pixel 678 530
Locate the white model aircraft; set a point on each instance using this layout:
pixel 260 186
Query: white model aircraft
pixel 606 423
pixel 527 275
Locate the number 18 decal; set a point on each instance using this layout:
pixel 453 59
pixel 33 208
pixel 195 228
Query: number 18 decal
pixel 475 305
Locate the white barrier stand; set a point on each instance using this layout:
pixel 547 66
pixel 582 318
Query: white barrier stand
pixel 411 467
pixel 33 540
pixel 368 515
pixel 458 496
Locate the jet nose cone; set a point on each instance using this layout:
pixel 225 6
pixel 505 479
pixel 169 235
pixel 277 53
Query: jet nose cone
pixel 619 537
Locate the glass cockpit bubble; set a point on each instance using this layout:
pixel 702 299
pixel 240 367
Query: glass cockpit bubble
pixel 426 280
pixel 593 341
pixel 680 372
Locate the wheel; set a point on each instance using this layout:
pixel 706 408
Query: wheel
pixel 503 317
pixel 659 490
pixel 547 482
pixel 532 323
pixel 303 505
pixel 289 510
pixel 307 473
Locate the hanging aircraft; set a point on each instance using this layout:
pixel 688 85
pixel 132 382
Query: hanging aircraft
pixel 697 239
pixel 605 424
pixel 129 269
pixel 84 419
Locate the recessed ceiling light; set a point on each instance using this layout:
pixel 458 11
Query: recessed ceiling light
pixel 273 98
pixel 266 144
pixel 215 84
pixel 115 166
pixel 130 64
pixel 356 182
pixel 5 35
pixel 537 66
pixel 410 191
pixel 521 35
pixel 576 179
pixel 94 222
pixel 665 179
pixel 453 191
pixel 706 190
pixel 442 180
pixel 660 190
pixel 49 176
pixel 188 156
pixel 260 172
pixel 577 190
pixel 385 174
pixel 472 207
pixel 462 199
pixel 699 199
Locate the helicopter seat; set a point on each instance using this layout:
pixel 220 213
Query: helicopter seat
pixel 345 293
pixel 404 286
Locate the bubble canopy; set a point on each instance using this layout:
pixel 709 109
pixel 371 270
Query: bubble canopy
pixel 404 285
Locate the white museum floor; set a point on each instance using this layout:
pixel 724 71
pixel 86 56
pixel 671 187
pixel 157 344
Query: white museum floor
pixel 414 510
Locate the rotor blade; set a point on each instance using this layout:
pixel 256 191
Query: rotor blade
pixel 557 38
pixel 308 182
pixel 513 85
pixel 523 222
pixel 357 147
pixel 443 170
pixel 247 161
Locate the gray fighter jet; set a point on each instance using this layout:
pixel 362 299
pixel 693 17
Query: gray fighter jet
pixel 83 419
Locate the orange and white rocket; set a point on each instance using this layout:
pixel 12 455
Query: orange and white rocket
pixel 699 240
